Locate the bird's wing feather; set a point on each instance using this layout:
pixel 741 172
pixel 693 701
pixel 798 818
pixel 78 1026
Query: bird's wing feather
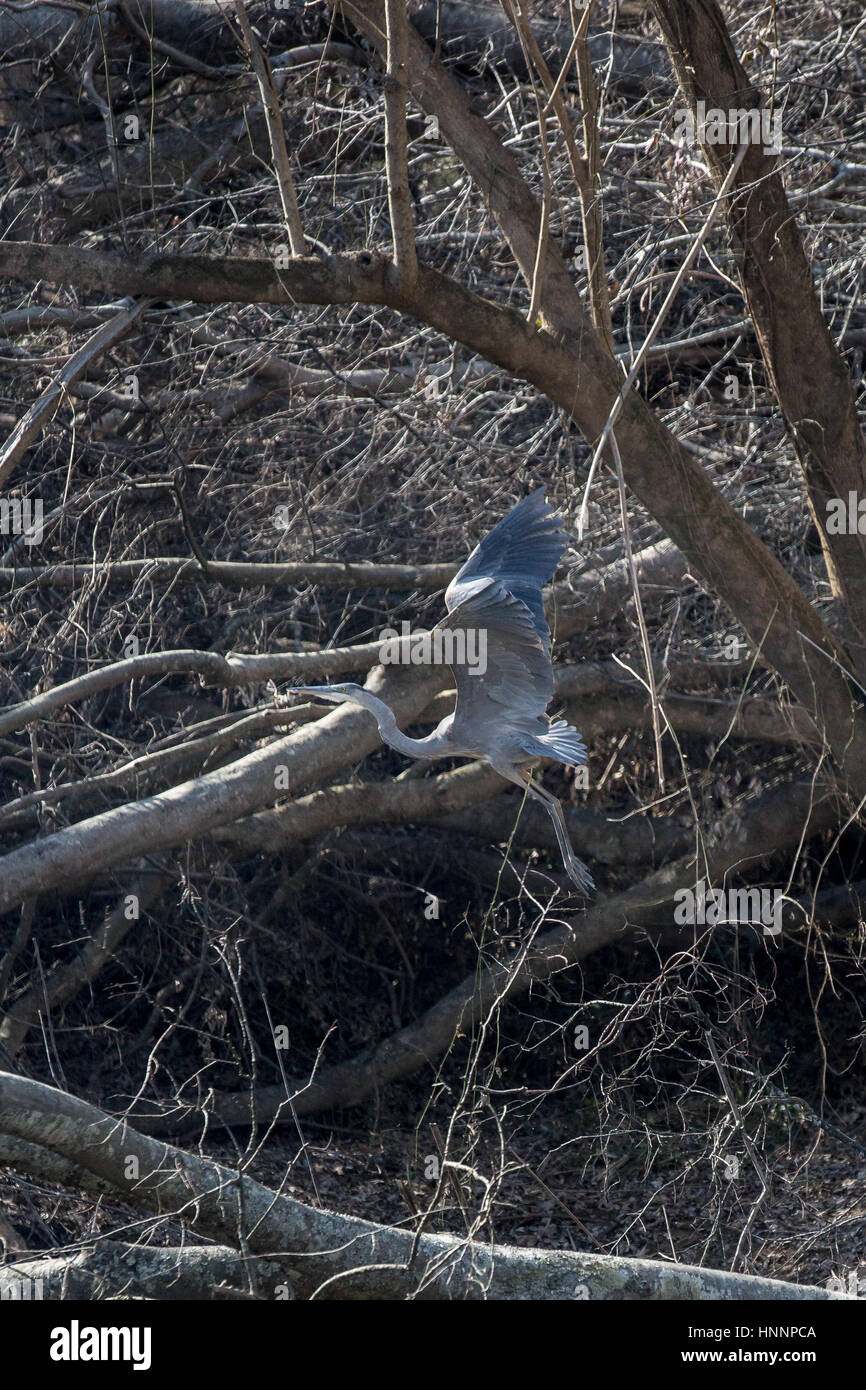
pixel 521 553
pixel 517 684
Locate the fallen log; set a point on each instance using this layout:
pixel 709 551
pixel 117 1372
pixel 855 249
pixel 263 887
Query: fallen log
pixel 323 1253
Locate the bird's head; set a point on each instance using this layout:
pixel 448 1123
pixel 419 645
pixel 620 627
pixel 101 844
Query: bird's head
pixel 334 694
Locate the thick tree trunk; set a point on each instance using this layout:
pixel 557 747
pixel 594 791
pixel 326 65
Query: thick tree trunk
pixel 807 373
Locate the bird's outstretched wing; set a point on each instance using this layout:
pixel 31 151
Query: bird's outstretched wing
pixel 521 552
pixel 513 683
pixel 496 601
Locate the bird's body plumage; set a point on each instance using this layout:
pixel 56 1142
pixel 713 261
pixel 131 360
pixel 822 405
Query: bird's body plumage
pixel 499 591
pixel 501 713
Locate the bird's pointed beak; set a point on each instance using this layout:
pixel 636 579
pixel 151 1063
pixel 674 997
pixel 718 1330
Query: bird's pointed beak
pixel 320 692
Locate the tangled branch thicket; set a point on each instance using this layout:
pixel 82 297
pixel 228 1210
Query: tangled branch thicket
pixel 247 927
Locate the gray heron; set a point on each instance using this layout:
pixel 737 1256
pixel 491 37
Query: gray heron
pixel 500 714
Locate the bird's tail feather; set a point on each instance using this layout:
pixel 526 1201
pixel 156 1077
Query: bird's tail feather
pixel 561 742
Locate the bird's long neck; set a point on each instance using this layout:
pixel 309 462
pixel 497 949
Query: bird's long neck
pixel 394 737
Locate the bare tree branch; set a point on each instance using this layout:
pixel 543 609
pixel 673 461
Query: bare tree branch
pixel 43 410
pixel 396 160
pixel 276 134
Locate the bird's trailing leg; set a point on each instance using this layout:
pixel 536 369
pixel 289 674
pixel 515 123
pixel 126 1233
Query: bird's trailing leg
pixel 574 867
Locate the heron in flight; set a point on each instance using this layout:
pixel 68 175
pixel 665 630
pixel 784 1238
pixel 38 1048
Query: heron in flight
pixel 500 715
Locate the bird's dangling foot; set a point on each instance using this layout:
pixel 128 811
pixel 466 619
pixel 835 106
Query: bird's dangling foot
pixel 580 875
